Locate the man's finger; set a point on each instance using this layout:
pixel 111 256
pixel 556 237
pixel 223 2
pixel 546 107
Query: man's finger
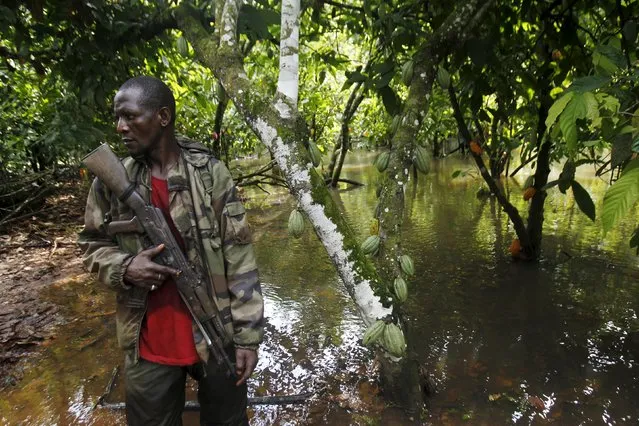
pixel 164 270
pixel 153 251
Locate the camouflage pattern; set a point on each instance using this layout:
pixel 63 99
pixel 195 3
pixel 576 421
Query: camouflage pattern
pixel 212 221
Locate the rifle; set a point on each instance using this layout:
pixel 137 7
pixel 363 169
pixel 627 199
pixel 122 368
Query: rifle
pixel 150 221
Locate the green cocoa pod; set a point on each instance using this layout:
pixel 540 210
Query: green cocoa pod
pixel 407 72
pixel 421 159
pixel 296 224
pixel 393 340
pixel 373 332
pixel 443 78
pixel 315 154
pixel 381 162
pixel 401 289
pixel 395 124
pixel 182 46
pixel 370 245
pixel 406 263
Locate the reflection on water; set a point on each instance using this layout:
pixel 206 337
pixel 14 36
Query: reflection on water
pixel 505 342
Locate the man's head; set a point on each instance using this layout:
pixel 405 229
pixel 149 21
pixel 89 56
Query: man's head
pixel 144 109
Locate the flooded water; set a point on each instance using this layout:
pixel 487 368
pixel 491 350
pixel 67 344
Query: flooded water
pixel 505 342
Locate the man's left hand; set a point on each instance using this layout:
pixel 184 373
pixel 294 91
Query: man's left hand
pixel 245 362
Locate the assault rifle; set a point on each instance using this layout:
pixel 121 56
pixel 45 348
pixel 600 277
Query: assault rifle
pixel 150 221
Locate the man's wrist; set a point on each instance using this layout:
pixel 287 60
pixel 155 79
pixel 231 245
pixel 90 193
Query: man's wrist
pixel 125 264
pixel 247 347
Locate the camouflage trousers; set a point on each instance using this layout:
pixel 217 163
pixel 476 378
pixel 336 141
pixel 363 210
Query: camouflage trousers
pixel 155 394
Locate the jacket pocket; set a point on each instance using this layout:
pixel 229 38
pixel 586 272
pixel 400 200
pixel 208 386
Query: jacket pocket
pixel 237 229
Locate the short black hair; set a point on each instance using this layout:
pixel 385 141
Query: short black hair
pixel 155 94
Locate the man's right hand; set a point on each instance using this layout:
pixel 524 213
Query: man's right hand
pixel 144 272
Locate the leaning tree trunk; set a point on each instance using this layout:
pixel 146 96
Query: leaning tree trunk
pixel 345 136
pixel 277 123
pixel 495 189
pixel 341 145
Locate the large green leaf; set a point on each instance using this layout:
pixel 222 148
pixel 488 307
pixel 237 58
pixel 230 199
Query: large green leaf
pixel 589 83
pixel 557 108
pixel 583 200
pixel 575 110
pixel 622 195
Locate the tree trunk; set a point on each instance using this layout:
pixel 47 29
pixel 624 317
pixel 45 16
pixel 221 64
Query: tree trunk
pixel 218 148
pixel 536 210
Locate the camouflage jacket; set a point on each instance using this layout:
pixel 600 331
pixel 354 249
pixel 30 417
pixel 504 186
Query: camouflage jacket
pixel 218 245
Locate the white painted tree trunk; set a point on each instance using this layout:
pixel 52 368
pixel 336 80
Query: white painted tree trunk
pixel 288 81
pixel 291 161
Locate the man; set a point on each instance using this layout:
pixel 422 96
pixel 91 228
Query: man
pixel 197 195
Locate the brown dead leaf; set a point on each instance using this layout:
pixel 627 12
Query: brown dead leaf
pixel 536 402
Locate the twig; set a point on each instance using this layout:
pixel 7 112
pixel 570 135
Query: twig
pixel 108 389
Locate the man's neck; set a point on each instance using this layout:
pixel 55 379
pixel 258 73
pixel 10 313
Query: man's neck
pixel 164 158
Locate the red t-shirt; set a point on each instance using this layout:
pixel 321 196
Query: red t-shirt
pixel 166 336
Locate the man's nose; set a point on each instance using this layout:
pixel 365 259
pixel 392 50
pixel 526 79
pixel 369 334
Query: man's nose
pixel 121 126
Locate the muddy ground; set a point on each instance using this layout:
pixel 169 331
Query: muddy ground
pixel 35 252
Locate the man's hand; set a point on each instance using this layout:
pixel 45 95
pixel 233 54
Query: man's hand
pixel 144 272
pixel 245 362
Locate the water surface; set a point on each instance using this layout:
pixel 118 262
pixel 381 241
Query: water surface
pixel 505 342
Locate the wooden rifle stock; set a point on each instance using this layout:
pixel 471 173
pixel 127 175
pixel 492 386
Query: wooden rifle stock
pixel 192 288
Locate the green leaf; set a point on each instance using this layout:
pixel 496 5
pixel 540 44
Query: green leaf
pixel 622 195
pixel 456 173
pixel 582 197
pixel 566 176
pixel 557 108
pixel 588 84
pixel 608 102
pixel 592 106
pixel 550 185
pixel 575 110
pixel 389 98
pixel 631 165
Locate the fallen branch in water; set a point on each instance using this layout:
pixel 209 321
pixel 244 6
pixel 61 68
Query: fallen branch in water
pixel 256 400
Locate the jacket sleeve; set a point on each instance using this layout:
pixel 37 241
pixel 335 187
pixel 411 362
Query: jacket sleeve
pixel 247 303
pixel 101 253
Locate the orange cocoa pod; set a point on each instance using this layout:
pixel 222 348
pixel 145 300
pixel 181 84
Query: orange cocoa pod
pixel 475 147
pixel 529 193
pixel 515 247
pixel 557 55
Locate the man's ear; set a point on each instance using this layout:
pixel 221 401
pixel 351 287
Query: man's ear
pixel 165 116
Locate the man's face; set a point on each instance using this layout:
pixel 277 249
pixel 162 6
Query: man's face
pixel 139 126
